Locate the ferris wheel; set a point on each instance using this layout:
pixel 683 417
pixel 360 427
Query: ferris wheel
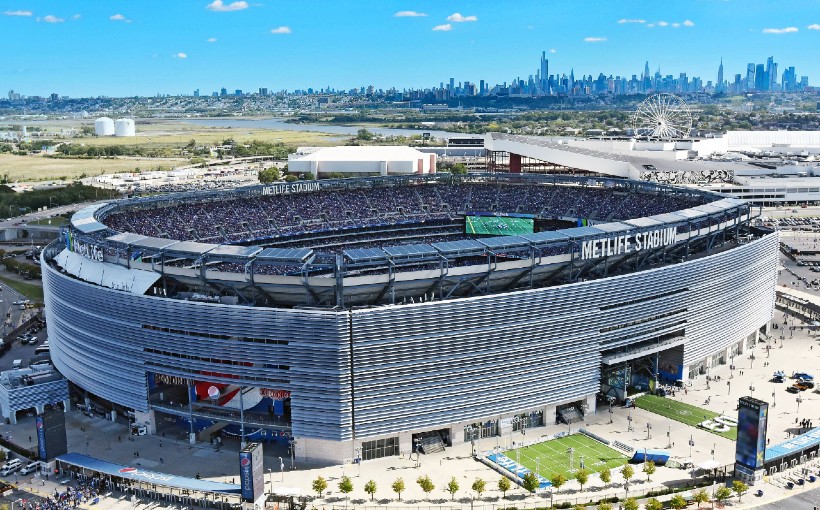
pixel 663 117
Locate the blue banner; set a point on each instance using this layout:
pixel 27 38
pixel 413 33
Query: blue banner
pixel 41 438
pixel 246 475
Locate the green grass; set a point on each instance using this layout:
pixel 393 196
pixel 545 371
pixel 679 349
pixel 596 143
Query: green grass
pixel 33 293
pixel 684 413
pixel 498 225
pixel 55 221
pixel 552 456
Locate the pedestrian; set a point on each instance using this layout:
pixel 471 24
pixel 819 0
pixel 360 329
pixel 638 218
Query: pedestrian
pixel 160 443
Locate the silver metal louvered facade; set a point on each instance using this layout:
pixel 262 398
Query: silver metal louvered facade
pixel 392 369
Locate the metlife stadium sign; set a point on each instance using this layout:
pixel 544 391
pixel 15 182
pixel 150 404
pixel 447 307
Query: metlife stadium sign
pixel 291 187
pixel 622 245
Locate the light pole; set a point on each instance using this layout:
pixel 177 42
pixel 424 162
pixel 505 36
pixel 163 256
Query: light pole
pixel 774 404
pixel 571 452
pixel 691 444
pixel 648 430
pixel 669 437
pixel 282 468
pixel 292 453
pixel 751 390
pixel 629 421
pixel 270 479
pixel 359 459
pixel 798 400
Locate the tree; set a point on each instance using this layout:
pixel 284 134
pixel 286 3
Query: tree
pixel 269 175
pixel 557 480
pixel 530 482
pixel 649 468
pixel 630 504
pixel 653 504
pixel 739 488
pixel 701 496
pixel 398 487
pixel 677 502
pixel 458 169
pixel 627 472
pixel 606 476
pixel 345 485
pixel 319 486
pixel 426 485
pixel 452 487
pixel 504 486
pixel 582 475
pixel 370 488
pixel 479 486
pixel 603 505
pixel 291 178
pixel 723 493
pixel 364 134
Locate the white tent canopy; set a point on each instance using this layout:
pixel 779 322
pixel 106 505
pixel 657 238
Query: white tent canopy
pixel 104 274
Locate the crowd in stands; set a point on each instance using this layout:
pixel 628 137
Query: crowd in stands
pixel 275 216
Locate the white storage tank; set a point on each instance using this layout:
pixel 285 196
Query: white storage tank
pixel 125 127
pixel 104 127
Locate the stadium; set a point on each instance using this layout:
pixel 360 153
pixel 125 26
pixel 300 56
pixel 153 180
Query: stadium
pixel 376 316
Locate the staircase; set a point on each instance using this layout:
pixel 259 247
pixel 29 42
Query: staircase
pixel 570 415
pixel 431 442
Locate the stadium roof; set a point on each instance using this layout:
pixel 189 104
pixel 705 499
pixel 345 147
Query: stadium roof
pixel 466 247
pixel 84 220
pixel 235 251
pixel 615 226
pixel 191 248
pixel 410 251
pixel 365 255
pixel 284 254
pixel 644 222
pixel 145 242
pixel 578 232
pixel 504 242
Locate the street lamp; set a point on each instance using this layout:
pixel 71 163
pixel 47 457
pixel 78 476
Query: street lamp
pixel 629 421
pixel 798 400
pixel 359 459
pixel 270 479
pixel 691 444
pixel 751 390
pixel 774 404
pixel 648 429
pixel 292 443
pixel 669 437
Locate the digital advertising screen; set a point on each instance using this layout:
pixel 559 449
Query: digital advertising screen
pixel 751 432
pixel 498 225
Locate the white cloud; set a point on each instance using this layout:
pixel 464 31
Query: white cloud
pixel 663 24
pixel 443 28
pixel 18 13
pixel 594 39
pixel 409 14
pixel 180 55
pixel 553 50
pixel 119 17
pixel 675 25
pixel 211 39
pixel 52 19
pixel 786 30
pixel 456 17
pixel 688 23
pixel 219 6
pixel 281 30
pixel 76 16
pixel 814 26
pixel 622 21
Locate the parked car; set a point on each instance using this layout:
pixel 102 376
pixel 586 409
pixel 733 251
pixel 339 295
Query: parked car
pixel 31 467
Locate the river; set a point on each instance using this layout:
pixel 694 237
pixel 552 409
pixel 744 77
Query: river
pixel 281 125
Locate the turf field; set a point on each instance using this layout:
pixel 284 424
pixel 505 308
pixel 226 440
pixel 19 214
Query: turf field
pixel 497 225
pixel 552 456
pixel 681 412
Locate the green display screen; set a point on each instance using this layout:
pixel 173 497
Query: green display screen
pixel 497 225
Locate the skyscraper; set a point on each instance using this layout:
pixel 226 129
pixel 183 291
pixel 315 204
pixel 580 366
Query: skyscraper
pixel 761 79
pixel 750 76
pixel 545 67
pixel 719 86
pixel 771 74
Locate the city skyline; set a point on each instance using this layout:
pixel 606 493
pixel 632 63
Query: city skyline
pixel 83 49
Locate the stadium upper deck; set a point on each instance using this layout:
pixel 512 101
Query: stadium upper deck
pixel 385 240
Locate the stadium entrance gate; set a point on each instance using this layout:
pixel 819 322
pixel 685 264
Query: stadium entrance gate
pixel 432 441
pixel 641 370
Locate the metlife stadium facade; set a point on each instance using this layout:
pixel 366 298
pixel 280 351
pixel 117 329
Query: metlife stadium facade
pixel 378 350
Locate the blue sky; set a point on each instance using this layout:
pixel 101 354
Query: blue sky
pixel 144 47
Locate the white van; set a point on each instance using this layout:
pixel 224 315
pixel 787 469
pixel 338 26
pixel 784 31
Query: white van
pixel 10 467
pixel 31 467
pixel 17 364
